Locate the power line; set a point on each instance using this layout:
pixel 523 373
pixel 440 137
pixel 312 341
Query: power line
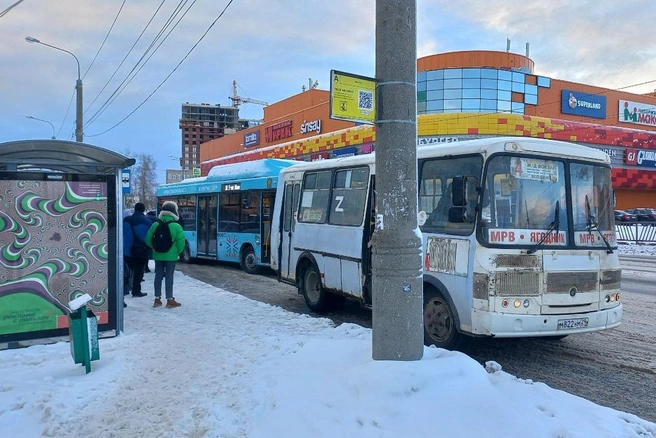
pixel 3 13
pixel 70 102
pixel 170 74
pixel 106 36
pixel 126 55
pixel 129 79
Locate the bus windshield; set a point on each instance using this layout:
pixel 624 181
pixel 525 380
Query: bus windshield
pixel 526 198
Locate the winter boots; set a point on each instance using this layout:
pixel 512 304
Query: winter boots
pixel 172 303
pixel 169 303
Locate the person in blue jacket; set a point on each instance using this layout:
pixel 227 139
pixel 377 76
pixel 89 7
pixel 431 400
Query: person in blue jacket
pixel 135 251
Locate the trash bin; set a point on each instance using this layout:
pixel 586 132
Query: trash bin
pixel 83 334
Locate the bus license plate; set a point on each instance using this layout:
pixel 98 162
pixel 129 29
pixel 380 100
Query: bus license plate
pixel 564 324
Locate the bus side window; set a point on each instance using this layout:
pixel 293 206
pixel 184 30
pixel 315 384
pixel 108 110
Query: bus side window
pixel 349 197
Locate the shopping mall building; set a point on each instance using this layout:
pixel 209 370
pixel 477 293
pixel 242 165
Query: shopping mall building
pixel 467 95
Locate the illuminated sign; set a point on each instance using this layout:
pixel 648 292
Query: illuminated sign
pixel 278 131
pixel 231 187
pixel 252 139
pixel 583 104
pixel 352 97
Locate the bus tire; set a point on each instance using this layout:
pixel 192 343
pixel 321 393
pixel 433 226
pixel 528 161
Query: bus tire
pixel 248 261
pixel 185 256
pixel 439 321
pixel 316 298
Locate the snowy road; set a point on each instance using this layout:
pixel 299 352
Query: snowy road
pixel 616 368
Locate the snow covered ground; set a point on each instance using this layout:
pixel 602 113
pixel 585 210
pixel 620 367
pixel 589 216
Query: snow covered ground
pixel 225 366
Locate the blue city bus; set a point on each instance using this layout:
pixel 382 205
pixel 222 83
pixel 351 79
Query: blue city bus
pixel 227 214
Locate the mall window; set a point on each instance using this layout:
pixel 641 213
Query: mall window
pixel 453 73
pixel 453 94
pixel 421 86
pixel 504 95
pixel 435 94
pixel 471 83
pixel 421 76
pixel 452 83
pixel 531 89
pixel 471 105
pixel 433 106
pixel 518 87
pixel 544 82
pixel 505 85
pixel 491 84
pixel 471 73
pixel 517 108
pixel 489 94
pixel 434 74
pixel 503 106
pixel 530 99
pixel 489 73
pixel 436 84
pixel 471 93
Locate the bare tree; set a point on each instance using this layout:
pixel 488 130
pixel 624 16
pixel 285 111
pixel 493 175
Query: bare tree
pixel 144 180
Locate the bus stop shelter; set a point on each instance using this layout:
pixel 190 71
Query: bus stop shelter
pixel 60 237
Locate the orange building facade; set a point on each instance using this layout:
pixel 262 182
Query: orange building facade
pixel 467 95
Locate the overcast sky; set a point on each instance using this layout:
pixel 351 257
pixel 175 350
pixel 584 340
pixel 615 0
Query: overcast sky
pixel 271 48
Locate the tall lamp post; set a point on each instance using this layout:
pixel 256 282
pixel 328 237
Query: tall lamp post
pixel 78 88
pixel 45 121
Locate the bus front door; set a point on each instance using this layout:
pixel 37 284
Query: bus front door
pixel 288 223
pixel 265 224
pixel 207 213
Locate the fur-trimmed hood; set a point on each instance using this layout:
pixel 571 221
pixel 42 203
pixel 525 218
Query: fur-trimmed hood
pixel 165 213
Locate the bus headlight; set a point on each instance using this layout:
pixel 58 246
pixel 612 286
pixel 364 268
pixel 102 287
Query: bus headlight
pixel 517 303
pixel 612 298
pixel 526 303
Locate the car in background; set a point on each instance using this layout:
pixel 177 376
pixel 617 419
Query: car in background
pixel 624 216
pixel 644 214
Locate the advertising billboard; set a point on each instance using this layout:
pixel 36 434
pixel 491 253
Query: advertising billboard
pixel 637 113
pixel 54 247
pixel 352 97
pixel 583 104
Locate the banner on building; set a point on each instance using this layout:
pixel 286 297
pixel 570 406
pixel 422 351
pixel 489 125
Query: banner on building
pixel 637 113
pixel 352 97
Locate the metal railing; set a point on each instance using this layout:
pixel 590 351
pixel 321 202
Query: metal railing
pixel 636 232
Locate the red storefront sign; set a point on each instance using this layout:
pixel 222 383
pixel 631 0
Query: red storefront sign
pixel 278 131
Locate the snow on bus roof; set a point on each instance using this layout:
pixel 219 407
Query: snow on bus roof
pixel 249 169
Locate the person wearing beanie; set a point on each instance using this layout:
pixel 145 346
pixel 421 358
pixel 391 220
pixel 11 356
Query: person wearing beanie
pixel 165 261
pixel 135 251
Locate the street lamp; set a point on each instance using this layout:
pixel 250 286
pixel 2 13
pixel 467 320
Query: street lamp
pixel 179 160
pixel 78 88
pixel 41 120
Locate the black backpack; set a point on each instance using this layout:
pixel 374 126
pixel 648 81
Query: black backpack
pixel 162 239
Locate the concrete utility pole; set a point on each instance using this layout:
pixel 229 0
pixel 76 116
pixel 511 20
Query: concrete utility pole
pixel 397 296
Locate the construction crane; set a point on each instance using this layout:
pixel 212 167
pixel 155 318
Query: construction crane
pixel 237 100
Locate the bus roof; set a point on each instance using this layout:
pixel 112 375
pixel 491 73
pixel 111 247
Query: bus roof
pixel 487 146
pixel 236 172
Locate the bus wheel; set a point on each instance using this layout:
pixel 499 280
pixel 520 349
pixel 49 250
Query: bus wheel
pixel 439 322
pixel 315 297
pixel 185 257
pixel 248 261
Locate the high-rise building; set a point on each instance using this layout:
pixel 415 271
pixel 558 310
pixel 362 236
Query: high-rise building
pixel 200 123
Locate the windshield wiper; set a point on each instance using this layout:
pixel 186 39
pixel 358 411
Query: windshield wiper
pixel 555 225
pixel 592 225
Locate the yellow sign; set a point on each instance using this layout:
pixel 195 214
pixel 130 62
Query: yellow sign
pixel 352 97
pixel 195 171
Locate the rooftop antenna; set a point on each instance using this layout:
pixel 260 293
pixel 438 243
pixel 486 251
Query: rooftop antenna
pixel 507 44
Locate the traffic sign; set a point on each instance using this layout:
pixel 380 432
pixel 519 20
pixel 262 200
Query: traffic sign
pixel 352 97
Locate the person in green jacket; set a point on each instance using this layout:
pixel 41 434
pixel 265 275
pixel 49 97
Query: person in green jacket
pixel 165 261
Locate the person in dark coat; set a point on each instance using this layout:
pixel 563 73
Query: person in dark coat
pixel 135 251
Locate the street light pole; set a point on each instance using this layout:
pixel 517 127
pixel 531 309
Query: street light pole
pixel 79 133
pixel 41 120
